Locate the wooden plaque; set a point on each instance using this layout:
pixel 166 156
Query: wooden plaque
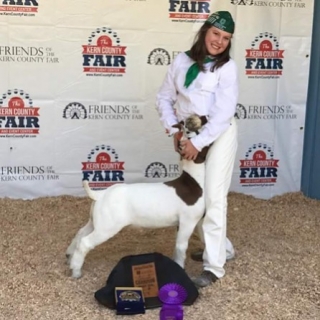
pixel 144 276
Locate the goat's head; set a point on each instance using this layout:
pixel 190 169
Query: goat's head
pixel 190 128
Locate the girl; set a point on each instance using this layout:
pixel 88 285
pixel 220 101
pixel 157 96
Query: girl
pixel 204 81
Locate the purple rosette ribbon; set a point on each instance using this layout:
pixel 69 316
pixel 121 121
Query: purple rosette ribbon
pixel 172 295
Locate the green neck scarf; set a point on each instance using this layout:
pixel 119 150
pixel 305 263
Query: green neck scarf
pixel 194 70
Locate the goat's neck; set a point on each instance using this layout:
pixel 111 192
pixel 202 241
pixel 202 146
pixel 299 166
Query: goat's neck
pixel 195 170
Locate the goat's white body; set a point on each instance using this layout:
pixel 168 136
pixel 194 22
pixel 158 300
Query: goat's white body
pixel 145 206
pixel 150 205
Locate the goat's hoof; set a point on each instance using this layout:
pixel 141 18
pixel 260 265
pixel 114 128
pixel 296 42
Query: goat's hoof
pixel 76 274
pixel 68 256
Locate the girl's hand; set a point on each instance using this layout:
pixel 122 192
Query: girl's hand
pixel 188 151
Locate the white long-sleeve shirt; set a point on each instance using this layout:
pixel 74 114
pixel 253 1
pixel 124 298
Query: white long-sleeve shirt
pixel 213 94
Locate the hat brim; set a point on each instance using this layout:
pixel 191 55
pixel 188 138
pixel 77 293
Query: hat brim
pixel 167 271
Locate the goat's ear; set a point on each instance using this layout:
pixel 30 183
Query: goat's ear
pixel 204 120
pixel 178 125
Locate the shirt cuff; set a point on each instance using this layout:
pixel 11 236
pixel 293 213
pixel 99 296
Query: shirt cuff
pixel 197 142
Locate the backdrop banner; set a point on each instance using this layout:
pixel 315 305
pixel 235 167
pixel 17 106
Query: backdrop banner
pixel 79 79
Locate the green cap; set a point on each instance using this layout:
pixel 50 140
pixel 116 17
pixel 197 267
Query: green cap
pixel 222 20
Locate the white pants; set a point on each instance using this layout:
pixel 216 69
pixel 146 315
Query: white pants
pixel 212 229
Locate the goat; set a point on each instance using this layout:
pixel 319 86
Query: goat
pixel 152 205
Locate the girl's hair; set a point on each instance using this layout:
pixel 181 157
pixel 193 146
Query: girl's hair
pixel 198 51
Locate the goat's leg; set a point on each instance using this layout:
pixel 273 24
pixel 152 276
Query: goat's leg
pixel 84 231
pixel 86 244
pixel 184 233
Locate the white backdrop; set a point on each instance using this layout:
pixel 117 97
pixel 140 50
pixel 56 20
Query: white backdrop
pixel 78 82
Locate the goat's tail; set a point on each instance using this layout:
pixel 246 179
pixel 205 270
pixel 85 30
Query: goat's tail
pixel 91 194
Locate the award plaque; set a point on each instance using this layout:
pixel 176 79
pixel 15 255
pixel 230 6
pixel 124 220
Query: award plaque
pixel 129 300
pixel 172 295
pixel 144 276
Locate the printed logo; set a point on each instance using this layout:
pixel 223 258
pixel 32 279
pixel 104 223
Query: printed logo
pixel 259 168
pixel 27 173
pixel 21 8
pixel 158 170
pixel 189 10
pixel 77 111
pixel 257 112
pixel 103 168
pixel 214 20
pixel 103 55
pixel 242 2
pixel 27 54
pixel 274 3
pixel 241 112
pixel 18 117
pixel 159 57
pixel 264 59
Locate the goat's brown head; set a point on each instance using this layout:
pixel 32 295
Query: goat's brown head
pixel 195 122
pixel 190 128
